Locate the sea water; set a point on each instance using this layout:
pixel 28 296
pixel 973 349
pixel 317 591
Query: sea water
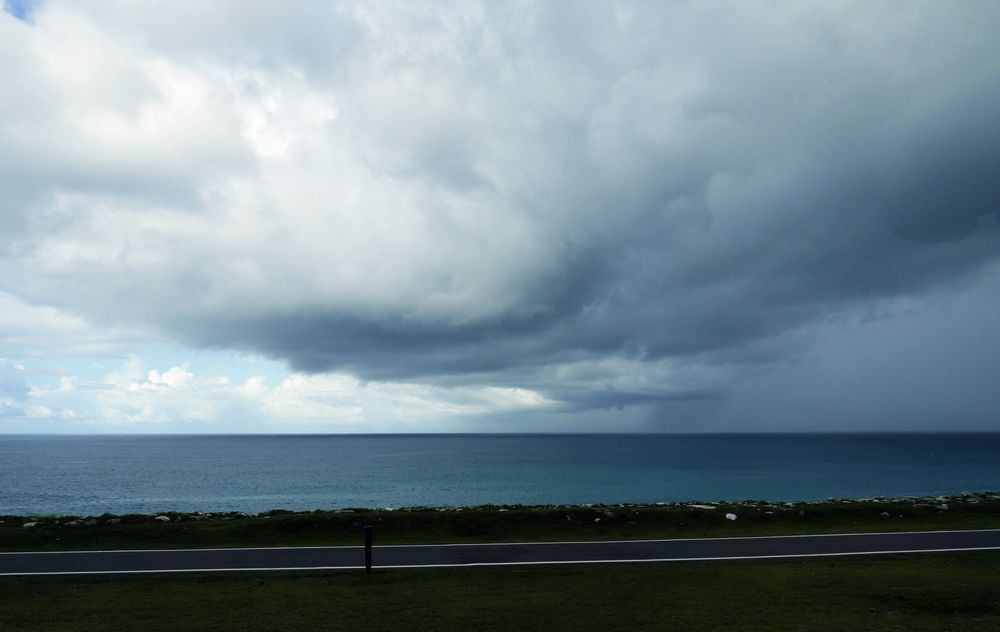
pixel 89 475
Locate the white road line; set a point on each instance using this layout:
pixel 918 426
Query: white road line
pixel 390 546
pixel 479 564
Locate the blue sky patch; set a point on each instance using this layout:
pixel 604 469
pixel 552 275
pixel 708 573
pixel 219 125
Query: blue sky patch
pixel 20 9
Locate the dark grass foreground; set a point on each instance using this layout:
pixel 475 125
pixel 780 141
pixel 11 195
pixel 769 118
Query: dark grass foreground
pixel 925 592
pixel 498 524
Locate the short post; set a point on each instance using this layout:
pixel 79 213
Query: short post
pixel 368 550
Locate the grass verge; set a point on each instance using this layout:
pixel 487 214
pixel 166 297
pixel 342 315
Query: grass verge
pixel 926 592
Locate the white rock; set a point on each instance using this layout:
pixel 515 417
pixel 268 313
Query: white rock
pixel 29 524
pixel 730 516
pixel 163 518
pixel 702 506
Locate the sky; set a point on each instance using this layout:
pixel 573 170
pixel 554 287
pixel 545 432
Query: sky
pixel 516 216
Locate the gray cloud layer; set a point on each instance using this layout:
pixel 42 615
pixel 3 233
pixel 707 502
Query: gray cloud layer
pixel 612 202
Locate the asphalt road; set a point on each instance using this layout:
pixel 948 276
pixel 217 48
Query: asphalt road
pixel 444 555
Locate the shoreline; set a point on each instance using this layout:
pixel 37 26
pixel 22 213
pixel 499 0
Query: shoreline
pixel 939 502
pixel 500 523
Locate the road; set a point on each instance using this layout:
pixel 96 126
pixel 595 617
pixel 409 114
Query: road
pixel 452 555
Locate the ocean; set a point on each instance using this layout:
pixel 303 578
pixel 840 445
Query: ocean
pixel 90 475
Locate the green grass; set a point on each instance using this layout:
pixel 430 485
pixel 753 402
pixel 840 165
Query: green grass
pixel 929 592
pixel 497 524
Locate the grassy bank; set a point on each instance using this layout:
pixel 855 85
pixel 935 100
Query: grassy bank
pixel 931 592
pixel 498 524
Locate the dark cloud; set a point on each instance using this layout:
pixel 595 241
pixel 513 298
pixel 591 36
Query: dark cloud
pixel 623 204
pixel 930 368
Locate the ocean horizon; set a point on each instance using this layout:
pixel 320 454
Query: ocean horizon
pixel 95 474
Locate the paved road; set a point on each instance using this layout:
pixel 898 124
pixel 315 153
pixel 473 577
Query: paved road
pixel 442 555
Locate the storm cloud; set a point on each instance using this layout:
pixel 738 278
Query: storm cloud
pixel 612 203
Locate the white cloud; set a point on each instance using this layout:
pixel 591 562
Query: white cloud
pixel 28 330
pixel 176 399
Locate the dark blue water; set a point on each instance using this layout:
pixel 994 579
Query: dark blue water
pixel 132 474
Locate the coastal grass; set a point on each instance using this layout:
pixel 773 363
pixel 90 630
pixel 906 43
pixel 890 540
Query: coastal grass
pixel 498 524
pixel 913 592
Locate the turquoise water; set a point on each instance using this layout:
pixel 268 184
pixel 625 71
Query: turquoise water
pixel 141 474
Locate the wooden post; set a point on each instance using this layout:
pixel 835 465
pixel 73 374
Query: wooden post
pixel 368 550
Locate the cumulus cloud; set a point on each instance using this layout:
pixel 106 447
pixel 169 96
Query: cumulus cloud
pixel 176 399
pixel 608 203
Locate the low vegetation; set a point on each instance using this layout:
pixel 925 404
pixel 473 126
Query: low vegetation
pixel 420 525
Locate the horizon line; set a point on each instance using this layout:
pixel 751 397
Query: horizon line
pixel 501 434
